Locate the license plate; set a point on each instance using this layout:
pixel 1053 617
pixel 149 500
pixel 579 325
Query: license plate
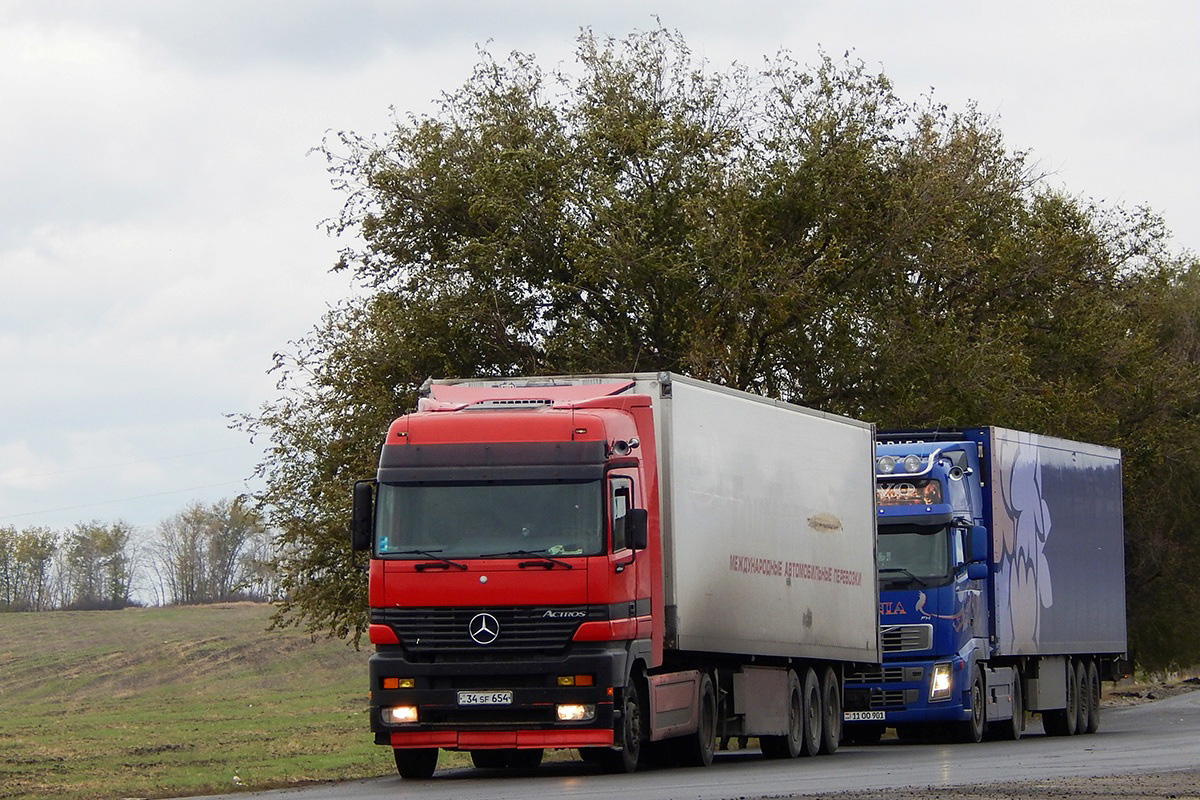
pixel 485 698
pixel 864 716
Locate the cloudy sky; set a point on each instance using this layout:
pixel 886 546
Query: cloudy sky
pixel 160 212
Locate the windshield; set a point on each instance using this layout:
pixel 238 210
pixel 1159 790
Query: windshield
pixel 912 554
pixel 468 520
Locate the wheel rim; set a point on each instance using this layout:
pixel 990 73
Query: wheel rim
pixel 633 727
pixel 796 719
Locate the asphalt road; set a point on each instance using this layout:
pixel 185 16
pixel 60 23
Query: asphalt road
pixel 1163 736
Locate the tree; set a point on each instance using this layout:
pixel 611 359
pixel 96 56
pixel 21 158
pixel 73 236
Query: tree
pixel 797 232
pixel 210 553
pixel 99 561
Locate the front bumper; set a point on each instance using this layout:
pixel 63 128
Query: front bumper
pixel 530 720
pixel 898 694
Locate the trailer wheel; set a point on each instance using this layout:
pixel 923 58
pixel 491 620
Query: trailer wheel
pixel 1061 721
pixel 831 694
pixel 813 714
pixel 416 765
pixel 971 730
pixel 626 759
pixel 1084 693
pixel 1093 684
pixel 697 748
pixel 789 744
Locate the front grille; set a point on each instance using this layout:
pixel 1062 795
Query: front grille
pixel 884 675
pixel 446 631
pixel 893 699
pixel 905 638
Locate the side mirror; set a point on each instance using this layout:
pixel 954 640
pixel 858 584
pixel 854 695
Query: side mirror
pixel 977 570
pixel 978 544
pixel 362 518
pixel 637 523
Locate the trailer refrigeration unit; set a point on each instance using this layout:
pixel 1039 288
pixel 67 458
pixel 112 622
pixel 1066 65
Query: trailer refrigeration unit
pixel 1002 586
pixel 630 565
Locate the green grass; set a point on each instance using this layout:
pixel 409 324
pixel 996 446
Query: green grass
pixel 164 702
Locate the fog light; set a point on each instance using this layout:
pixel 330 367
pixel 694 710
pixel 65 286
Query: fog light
pixel 912 463
pixel 886 465
pixel 575 712
pixel 399 715
pixel 941 683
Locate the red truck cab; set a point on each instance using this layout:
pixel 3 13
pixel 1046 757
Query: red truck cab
pixel 514 549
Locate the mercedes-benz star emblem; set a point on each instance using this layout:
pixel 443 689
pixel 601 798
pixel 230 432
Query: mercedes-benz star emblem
pixel 484 628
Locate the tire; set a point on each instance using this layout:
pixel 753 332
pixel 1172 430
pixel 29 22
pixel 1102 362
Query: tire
pixel 971 731
pixel 1093 684
pixel 416 765
pixel 1084 704
pixel 813 715
pixel 789 744
pixel 489 759
pixel 831 704
pixel 696 749
pixel 1062 721
pixel 632 731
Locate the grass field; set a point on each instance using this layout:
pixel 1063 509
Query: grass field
pixel 163 702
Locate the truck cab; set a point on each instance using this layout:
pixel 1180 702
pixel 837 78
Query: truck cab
pixel 932 557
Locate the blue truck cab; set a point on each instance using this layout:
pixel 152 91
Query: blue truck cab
pixel 1001 585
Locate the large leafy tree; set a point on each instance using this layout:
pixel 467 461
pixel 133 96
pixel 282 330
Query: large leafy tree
pixel 799 232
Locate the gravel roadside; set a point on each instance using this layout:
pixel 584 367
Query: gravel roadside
pixel 1183 785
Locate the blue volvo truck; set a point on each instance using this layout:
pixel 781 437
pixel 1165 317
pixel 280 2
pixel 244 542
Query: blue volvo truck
pixel 1002 586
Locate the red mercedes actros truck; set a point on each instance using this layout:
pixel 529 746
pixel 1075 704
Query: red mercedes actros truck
pixel 632 565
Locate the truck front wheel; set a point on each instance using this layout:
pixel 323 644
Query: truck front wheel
pixel 972 730
pixel 626 759
pixel 416 764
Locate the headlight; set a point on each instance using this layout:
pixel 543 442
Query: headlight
pixel 575 712
pixel 399 715
pixel 942 682
pixel 912 463
pixel 885 465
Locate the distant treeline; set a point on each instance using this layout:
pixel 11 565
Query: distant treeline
pixel 205 554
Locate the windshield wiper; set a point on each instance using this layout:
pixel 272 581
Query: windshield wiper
pixel 543 560
pixel 906 572
pixel 440 562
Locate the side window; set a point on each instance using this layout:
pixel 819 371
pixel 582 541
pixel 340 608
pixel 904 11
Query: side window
pixel 622 495
pixel 960 546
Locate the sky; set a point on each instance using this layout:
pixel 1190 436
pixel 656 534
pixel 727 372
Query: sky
pixel 161 210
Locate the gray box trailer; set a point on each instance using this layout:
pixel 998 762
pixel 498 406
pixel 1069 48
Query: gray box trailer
pixel 768 525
